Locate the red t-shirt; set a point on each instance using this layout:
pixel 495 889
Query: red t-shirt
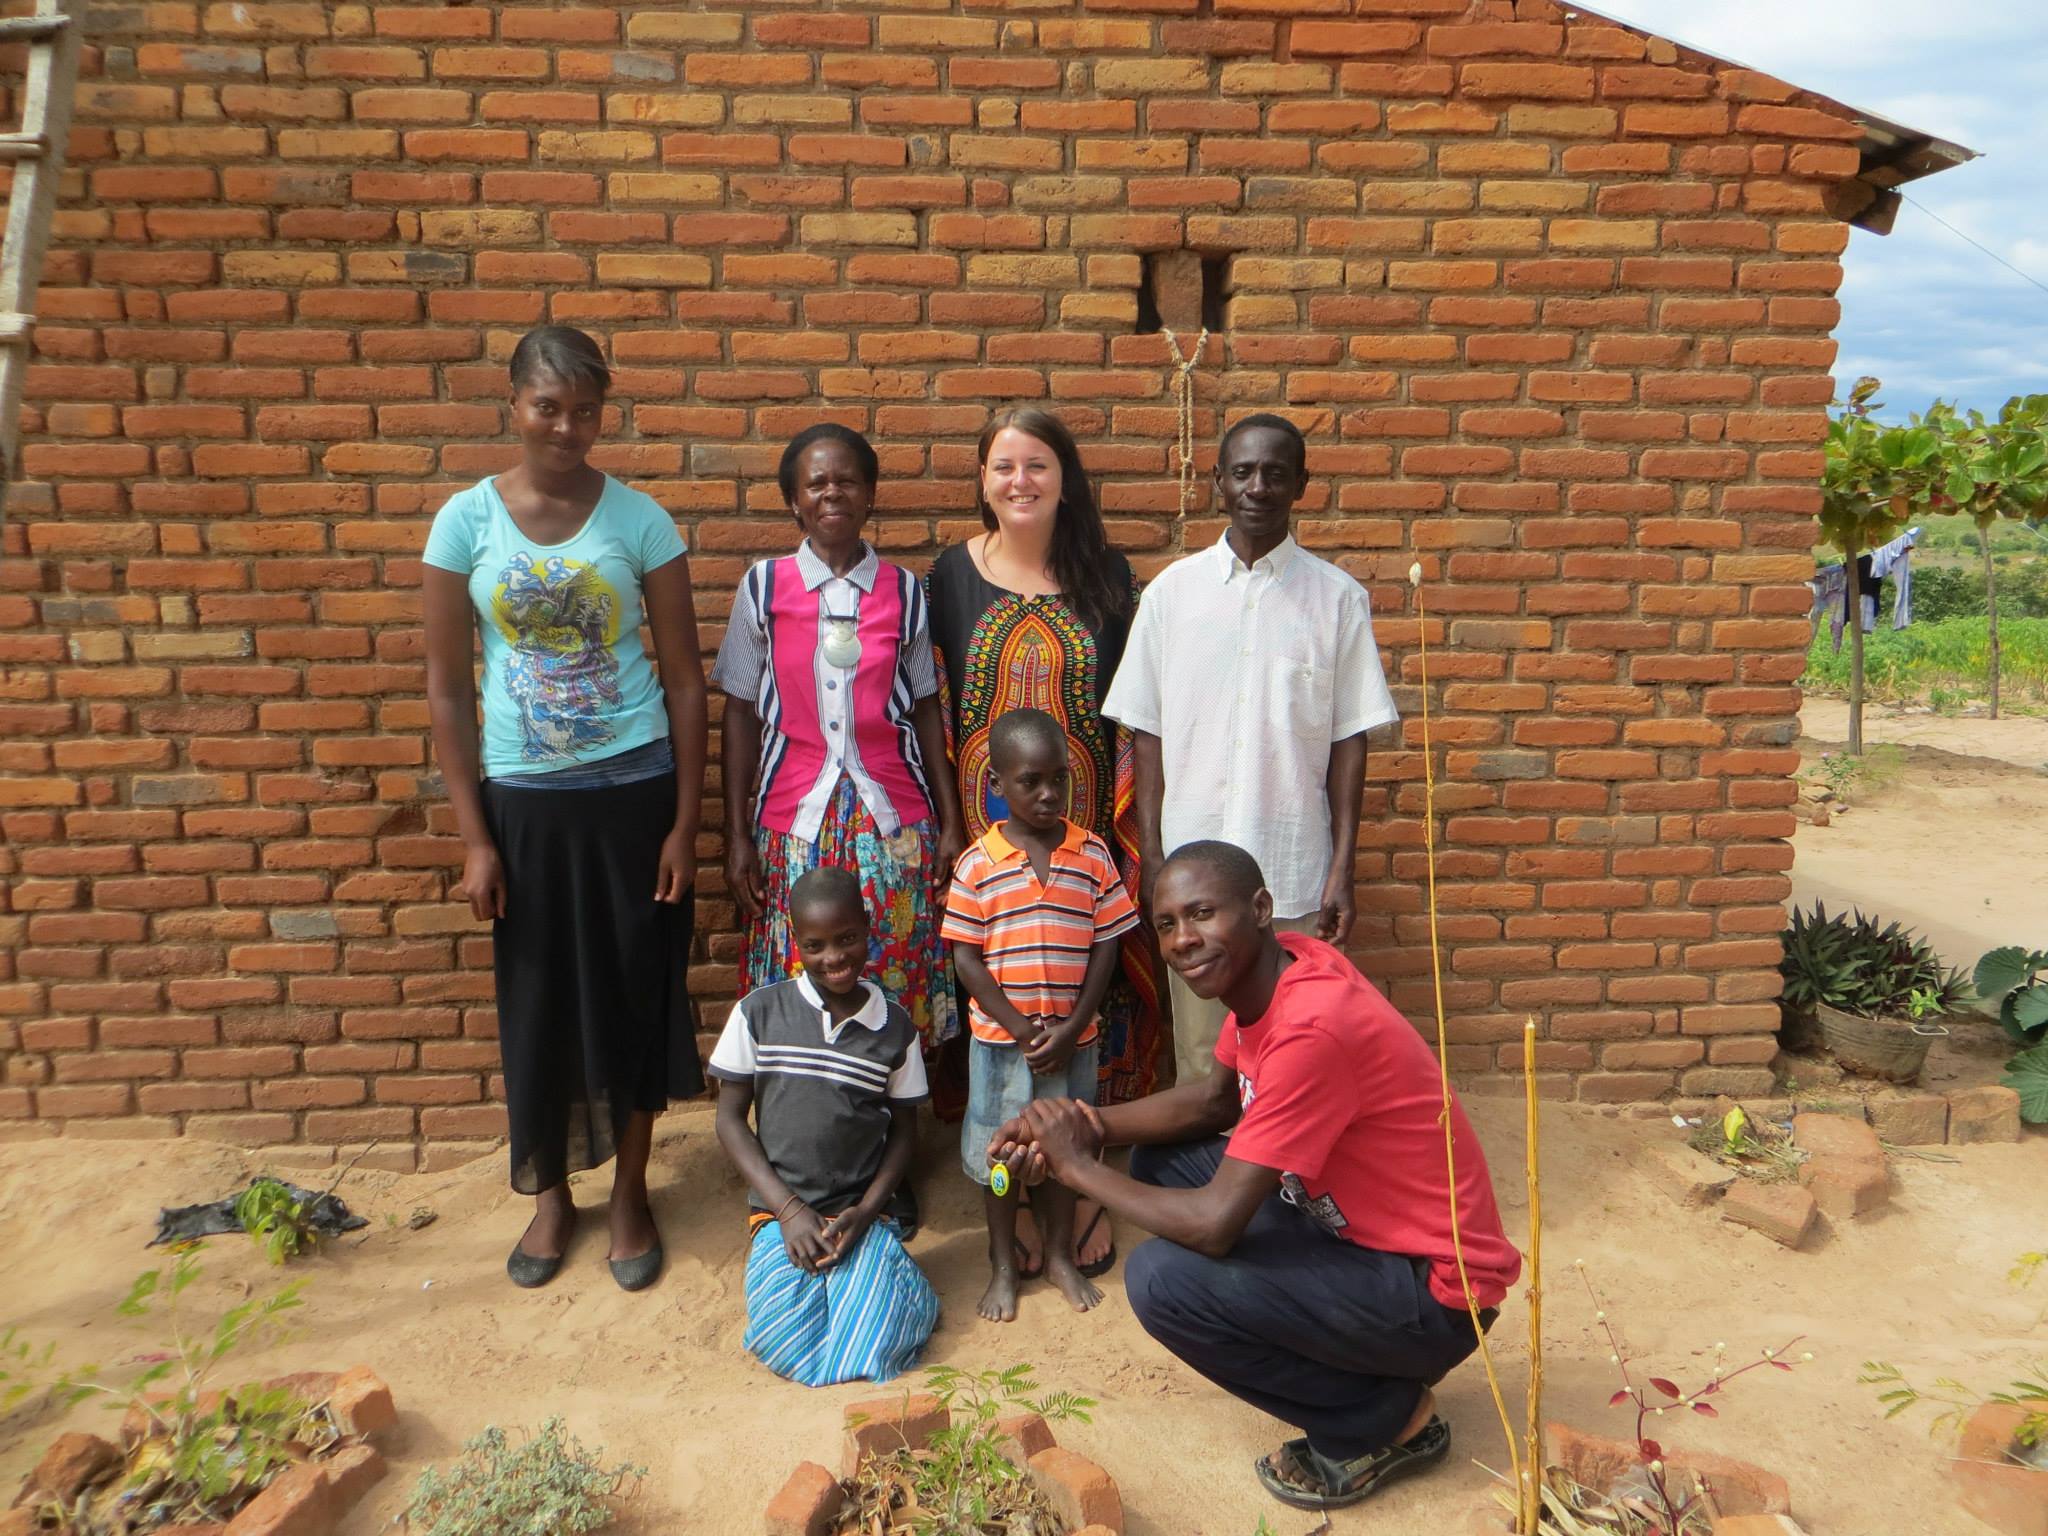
pixel 1343 1098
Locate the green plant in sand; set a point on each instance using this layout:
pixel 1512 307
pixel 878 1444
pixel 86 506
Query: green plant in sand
pixel 1956 1402
pixel 279 1221
pixel 202 1453
pixel 962 1484
pixel 546 1484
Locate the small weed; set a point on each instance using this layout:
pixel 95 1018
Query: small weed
pixel 280 1223
pixel 546 1485
pixel 1736 1141
pixel 1837 772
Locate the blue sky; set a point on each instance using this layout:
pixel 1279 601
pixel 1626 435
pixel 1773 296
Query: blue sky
pixel 1920 309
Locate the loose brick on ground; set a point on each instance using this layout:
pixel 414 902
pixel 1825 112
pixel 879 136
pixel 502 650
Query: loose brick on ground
pixel 1910 1119
pixel 881 1426
pixel 1080 1492
pixel 1785 1213
pixel 2011 1499
pixel 1989 1113
pixel 807 1504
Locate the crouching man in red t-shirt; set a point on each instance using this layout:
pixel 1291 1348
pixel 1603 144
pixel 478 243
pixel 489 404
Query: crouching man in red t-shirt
pixel 1304 1260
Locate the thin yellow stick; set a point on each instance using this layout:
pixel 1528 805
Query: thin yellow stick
pixel 1532 1492
pixel 1443 1054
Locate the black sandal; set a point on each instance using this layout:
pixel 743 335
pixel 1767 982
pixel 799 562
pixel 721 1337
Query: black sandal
pixel 1301 1478
pixel 1103 1265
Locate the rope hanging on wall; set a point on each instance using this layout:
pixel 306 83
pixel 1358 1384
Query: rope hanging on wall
pixel 1183 387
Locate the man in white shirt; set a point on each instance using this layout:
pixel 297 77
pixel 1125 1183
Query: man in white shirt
pixel 1249 685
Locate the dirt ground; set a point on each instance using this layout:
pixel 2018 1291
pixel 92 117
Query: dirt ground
pixel 1956 845
pixel 1954 842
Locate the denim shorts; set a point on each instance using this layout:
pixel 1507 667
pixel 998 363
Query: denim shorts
pixel 1000 1083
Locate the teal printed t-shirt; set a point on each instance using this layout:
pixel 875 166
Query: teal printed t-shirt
pixel 566 678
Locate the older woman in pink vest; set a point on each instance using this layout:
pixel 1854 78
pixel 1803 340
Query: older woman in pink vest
pixel 834 747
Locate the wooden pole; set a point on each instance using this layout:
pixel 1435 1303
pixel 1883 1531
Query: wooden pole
pixel 1990 610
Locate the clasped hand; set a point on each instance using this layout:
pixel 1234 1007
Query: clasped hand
pixel 1052 1047
pixel 1048 1139
pixel 815 1243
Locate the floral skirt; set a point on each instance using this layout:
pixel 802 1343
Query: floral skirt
pixel 900 879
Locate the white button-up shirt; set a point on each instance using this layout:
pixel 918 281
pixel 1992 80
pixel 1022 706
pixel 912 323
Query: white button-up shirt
pixel 1248 675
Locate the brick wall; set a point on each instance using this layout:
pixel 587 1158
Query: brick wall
pixel 1551 299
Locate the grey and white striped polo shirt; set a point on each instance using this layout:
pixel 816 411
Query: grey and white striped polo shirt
pixel 822 1093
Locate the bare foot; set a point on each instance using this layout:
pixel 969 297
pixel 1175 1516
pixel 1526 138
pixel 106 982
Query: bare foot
pixel 1079 1290
pixel 1097 1237
pixel 1030 1244
pixel 554 1219
pixel 999 1301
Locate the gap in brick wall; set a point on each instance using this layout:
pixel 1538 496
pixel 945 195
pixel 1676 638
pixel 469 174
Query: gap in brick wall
pixel 1182 290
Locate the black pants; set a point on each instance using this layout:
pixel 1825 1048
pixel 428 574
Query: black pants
pixel 1336 1339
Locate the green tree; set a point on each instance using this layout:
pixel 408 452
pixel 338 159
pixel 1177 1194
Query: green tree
pixel 1876 479
pixel 1994 468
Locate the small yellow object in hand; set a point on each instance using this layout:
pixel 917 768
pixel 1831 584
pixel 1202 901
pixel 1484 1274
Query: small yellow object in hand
pixel 999 1180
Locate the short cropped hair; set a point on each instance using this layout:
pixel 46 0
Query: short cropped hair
pixel 1015 728
pixel 1271 423
pixel 827 887
pixel 1240 871
pixel 561 352
pixel 827 431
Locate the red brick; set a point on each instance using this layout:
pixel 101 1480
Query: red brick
pixel 807 1504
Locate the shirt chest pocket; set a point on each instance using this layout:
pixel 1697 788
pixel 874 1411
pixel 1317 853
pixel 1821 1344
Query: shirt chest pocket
pixel 1299 698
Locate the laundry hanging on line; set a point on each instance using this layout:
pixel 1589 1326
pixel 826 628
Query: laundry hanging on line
pixel 1830 587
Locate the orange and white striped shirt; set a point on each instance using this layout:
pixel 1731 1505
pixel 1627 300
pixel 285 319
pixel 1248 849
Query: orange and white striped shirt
pixel 1035 938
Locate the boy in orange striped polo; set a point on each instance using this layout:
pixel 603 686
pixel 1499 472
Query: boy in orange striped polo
pixel 1033 916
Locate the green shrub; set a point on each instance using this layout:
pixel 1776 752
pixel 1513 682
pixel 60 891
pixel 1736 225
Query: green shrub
pixel 547 1485
pixel 1947 592
pixel 1954 654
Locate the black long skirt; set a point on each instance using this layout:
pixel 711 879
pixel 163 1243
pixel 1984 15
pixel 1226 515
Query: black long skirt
pixel 594 1017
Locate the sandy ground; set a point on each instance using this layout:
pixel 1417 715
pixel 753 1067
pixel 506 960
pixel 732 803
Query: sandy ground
pixel 660 1377
pixel 1956 845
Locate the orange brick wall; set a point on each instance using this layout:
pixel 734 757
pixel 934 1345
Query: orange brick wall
pixel 1552 301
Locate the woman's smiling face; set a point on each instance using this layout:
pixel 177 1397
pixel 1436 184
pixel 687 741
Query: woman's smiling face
pixel 833 497
pixel 1020 480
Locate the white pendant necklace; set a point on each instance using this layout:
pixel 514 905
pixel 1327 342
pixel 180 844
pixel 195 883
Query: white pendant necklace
pixel 839 640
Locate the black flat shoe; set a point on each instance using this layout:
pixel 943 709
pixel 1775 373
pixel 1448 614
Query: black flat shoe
pixel 636 1274
pixel 530 1271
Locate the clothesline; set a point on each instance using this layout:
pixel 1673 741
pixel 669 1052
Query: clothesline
pixel 1830 587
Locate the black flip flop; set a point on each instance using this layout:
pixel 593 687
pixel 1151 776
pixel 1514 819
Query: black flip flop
pixel 1103 1265
pixel 1300 1478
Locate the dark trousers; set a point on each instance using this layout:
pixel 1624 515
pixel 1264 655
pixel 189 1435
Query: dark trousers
pixel 1336 1339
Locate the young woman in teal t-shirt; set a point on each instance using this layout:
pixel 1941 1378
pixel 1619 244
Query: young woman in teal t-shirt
pixel 579 803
